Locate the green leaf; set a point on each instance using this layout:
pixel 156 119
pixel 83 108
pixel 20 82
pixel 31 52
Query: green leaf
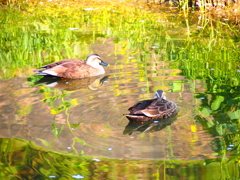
pixel 220 130
pixel 217 102
pixel 75 125
pixel 44 171
pixel 210 123
pixel 12 169
pixel 235 114
pixel 206 111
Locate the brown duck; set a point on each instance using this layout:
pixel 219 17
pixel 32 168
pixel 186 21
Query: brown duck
pixel 153 109
pixel 74 68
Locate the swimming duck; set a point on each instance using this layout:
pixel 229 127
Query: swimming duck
pixel 74 68
pixel 153 109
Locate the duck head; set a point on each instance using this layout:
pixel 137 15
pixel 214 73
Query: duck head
pixel 95 61
pixel 159 94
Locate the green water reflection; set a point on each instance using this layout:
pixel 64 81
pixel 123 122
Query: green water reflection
pixel 78 131
pixel 24 160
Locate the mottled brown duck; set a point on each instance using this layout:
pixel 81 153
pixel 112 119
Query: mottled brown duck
pixel 153 109
pixel 74 68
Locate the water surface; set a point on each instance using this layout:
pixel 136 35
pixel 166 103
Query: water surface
pixel 81 122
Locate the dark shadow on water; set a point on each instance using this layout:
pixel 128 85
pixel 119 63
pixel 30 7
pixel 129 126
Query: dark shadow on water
pixel 92 83
pixel 149 126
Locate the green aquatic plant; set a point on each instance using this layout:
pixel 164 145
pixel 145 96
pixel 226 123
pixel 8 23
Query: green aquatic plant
pixel 219 115
pixel 59 105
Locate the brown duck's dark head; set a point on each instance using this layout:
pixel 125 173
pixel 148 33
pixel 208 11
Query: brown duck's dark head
pixel 159 94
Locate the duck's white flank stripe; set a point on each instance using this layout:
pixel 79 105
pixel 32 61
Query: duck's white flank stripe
pixel 50 72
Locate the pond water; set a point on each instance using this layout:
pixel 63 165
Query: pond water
pixel 75 129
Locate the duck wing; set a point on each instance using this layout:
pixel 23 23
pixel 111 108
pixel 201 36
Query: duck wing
pixel 136 108
pixel 58 70
pixel 160 108
pixel 48 66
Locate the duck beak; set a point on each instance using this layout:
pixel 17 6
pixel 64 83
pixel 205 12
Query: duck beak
pixel 104 64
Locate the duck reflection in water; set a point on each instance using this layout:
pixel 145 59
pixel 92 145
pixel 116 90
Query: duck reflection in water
pixel 153 109
pixel 92 83
pixel 149 126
